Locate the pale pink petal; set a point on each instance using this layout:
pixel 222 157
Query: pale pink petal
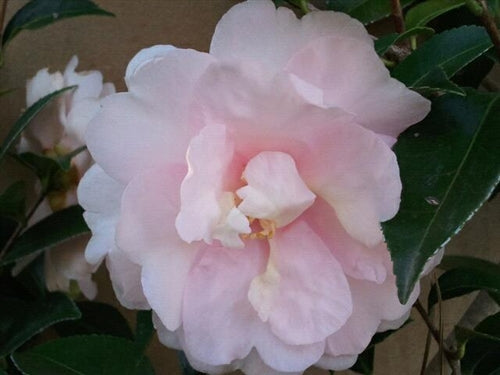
pixel 219 323
pixel 257 31
pixel 394 324
pixel 274 190
pixel 308 297
pixel 147 127
pixel 208 156
pixel 126 280
pixel 149 205
pixel 166 337
pixel 354 78
pixel 89 82
pixel 357 260
pixel 100 196
pixel 145 56
pixel 338 363
pixel 254 365
pixel 79 117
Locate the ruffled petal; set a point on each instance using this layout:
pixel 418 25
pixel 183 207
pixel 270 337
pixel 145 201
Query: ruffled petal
pixel 303 294
pixel 354 78
pixel 241 32
pixel 148 126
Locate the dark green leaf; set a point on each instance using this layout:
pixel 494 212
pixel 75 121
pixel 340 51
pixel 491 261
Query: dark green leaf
pixel 84 355
pixel 12 201
pixel 39 13
pixel 364 363
pixel 482 347
pixel 65 160
pixel 437 82
pixel 21 319
pixel 366 11
pixel 144 329
pixel 449 165
pixel 32 277
pixel 26 118
pixel 422 13
pixel 449 51
pixel 465 275
pixel 54 229
pixel 7 228
pixel 185 366
pixel 98 318
pixel 5 91
pixel 383 43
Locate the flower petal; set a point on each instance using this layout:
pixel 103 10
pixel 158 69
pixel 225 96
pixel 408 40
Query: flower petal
pixel 148 126
pixel 308 298
pixel 354 78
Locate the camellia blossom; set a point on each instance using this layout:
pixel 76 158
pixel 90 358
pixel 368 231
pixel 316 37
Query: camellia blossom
pixel 58 130
pixel 239 193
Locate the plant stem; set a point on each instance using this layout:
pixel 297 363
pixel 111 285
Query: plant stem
pixel 3 10
pixel 450 357
pixel 397 15
pixel 426 351
pixel 490 25
pixel 20 226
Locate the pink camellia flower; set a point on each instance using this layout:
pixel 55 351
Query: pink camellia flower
pixel 58 130
pixel 239 193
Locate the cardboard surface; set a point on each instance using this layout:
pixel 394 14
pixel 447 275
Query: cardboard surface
pixel 107 44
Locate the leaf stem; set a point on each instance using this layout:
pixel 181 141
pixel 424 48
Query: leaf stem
pixel 490 25
pixel 397 15
pixel 21 226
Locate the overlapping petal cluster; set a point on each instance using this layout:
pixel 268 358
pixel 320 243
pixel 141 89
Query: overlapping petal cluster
pixel 239 193
pixel 58 130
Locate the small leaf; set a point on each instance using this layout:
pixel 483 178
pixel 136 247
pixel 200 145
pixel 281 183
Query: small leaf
pixel 26 118
pixel 98 318
pixel 424 12
pixel 12 201
pixel 449 165
pixel 449 51
pixel 366 11
pixel 144 329
pixel 437 82
pixel 39 13
pixel 364 363
pixel 84 355
pixel 185 366
pixel 465 275
pixel 382 44
pixel 54 229
pixel 22 319
pixel 44 167
pixel 482 347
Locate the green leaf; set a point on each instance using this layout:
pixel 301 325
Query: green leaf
pixel 449 51
pixel 383 43
pixel 482 347
pixel 39 13
pixel 26 118
pixel 364 363
pixel 465 275
pixel 12 201
pixel 7 228
pixel 21 319
pixel 51 231
pixel 437 82
pixel 449 165
pixel 424 12
pixel 98 318
pixel 84 355
pixel 144 329
pixel 366 11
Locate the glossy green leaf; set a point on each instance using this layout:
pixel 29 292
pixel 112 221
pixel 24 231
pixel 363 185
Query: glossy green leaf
pixel 437 82
pixel 449 165
pixel 25 119
pixel 84 355
pixel 144 329
pixel 482 347
pixel 21 319
pixel 383 43
pixel 39 13
pixel 366 11
pixel 98 318
pixel 51 231
pixel 12 201
pixel 449 51
pixel 424 12
pixel 466 275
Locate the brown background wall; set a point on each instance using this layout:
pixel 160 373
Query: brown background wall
pixel 107 44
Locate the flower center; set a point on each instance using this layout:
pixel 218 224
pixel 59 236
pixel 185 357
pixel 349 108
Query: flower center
pixel 267 230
